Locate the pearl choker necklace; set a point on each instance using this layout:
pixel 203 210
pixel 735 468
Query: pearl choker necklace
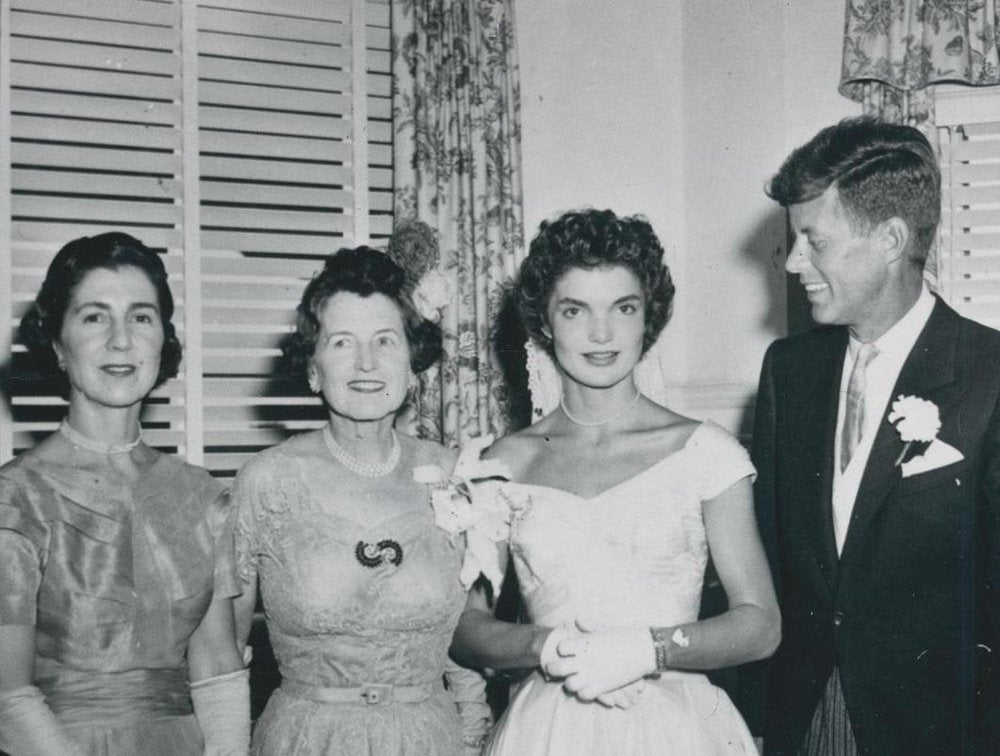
pixel 78 439
pixel 359 466
pixel 595 423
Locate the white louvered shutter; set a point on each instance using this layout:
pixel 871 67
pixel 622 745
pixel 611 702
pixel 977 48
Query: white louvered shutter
pixel 969 142
pixel 245 139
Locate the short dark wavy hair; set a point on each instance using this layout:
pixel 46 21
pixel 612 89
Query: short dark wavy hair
pixel 593 239
pixel 363 271
pixel 41 325
pixel 881 170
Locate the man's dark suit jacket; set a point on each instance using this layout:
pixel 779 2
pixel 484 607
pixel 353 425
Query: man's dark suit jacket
pixel 910 612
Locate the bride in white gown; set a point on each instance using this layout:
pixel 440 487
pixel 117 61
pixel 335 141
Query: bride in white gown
pixel 616 503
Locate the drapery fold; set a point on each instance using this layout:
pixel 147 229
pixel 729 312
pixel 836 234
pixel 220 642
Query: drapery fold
pixel 896 50
pixel 457 168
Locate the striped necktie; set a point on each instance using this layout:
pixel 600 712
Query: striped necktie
pixel 854 408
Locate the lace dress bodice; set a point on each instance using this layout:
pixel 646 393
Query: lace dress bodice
pixel 335 623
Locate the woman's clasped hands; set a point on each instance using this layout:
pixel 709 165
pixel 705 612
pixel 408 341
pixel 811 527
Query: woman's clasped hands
pixel 604 664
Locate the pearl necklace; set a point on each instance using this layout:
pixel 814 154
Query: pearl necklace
pixel 359 466
pixel 595 423
pixel 78 439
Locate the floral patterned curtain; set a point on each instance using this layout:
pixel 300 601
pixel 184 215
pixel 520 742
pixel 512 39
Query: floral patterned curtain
pixel 457 164
pixel 896 50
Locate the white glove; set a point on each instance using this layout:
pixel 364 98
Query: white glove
pixel 597 663
pixel 468 688
pixel 29 728
pixel 222 707
pixel 623 697
pixel 550 649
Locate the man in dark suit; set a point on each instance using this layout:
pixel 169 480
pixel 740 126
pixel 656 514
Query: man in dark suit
pixel 877 443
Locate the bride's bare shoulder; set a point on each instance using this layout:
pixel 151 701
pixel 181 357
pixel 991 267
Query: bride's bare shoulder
pixel 518 450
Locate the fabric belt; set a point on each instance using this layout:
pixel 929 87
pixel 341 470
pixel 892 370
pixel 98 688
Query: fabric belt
pixel 370 694
pixel 79 697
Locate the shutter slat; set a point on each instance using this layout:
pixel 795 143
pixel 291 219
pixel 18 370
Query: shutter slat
pixel 292 124
pixel 94 56
pixel 66 208
pixel 157 14
pixel 272 243
pixel 91 132
pixel 271 98
pixel 272 26
pixel 274 220
pixel 977 217
pixel 289 292
pixel 274 170
pixel 973 242
pixel 964 265
pixel 326 10
pixel 983 194
pixel 95 158
pixel 261 267
pixel 94 184
pixel 60 233
pixel 278 51
pixel 103 108
pixel 90 30
pixel 32 76
pixel 273 146
pixel 275 194
pixel 273 74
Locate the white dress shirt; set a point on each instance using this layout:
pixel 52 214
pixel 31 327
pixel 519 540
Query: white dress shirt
pixel 894 346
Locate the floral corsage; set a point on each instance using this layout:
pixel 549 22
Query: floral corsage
pixel 917 421
pixel 461 508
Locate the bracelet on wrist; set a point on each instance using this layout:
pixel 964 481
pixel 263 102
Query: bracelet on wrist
pixel 661 639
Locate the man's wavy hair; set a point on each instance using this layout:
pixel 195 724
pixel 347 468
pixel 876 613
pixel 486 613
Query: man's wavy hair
pixel 591 239
pixel 363 271
pixel 881 170
pixel 41 326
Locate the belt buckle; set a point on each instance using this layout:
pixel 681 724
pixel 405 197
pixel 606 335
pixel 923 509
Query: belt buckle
pixel 376 694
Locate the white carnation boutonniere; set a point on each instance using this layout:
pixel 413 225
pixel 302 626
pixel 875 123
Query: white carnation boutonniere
pixel 463 507
pixel 432 293
pixel 917 421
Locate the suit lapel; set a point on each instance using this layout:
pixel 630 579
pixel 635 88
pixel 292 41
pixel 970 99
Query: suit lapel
pixel 819 389
pixel 928 373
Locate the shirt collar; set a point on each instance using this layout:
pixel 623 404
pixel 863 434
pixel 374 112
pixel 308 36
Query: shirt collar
pixel 896 343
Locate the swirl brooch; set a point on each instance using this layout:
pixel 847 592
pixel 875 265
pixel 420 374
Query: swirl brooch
pixel 374 554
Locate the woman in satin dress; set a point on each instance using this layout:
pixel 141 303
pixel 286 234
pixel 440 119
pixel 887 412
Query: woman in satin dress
pixel 116 572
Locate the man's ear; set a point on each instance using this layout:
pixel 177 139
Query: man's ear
pixel 894 239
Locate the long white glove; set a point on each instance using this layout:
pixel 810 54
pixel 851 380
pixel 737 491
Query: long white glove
pixel 222 707
pixel 555 665
pixel 468 688
pixel 29 728
pixel 597 663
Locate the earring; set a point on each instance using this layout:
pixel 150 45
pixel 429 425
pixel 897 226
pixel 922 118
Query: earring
pixel 412 382
pixel 313 382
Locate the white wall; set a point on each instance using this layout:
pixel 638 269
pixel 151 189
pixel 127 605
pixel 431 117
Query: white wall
pixel 681 110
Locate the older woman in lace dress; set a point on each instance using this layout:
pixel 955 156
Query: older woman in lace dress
pixel 360 587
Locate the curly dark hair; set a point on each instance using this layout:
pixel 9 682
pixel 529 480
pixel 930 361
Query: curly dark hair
pixel 881 170
pixel 363 271
pixel 593 239
pixel 41 325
